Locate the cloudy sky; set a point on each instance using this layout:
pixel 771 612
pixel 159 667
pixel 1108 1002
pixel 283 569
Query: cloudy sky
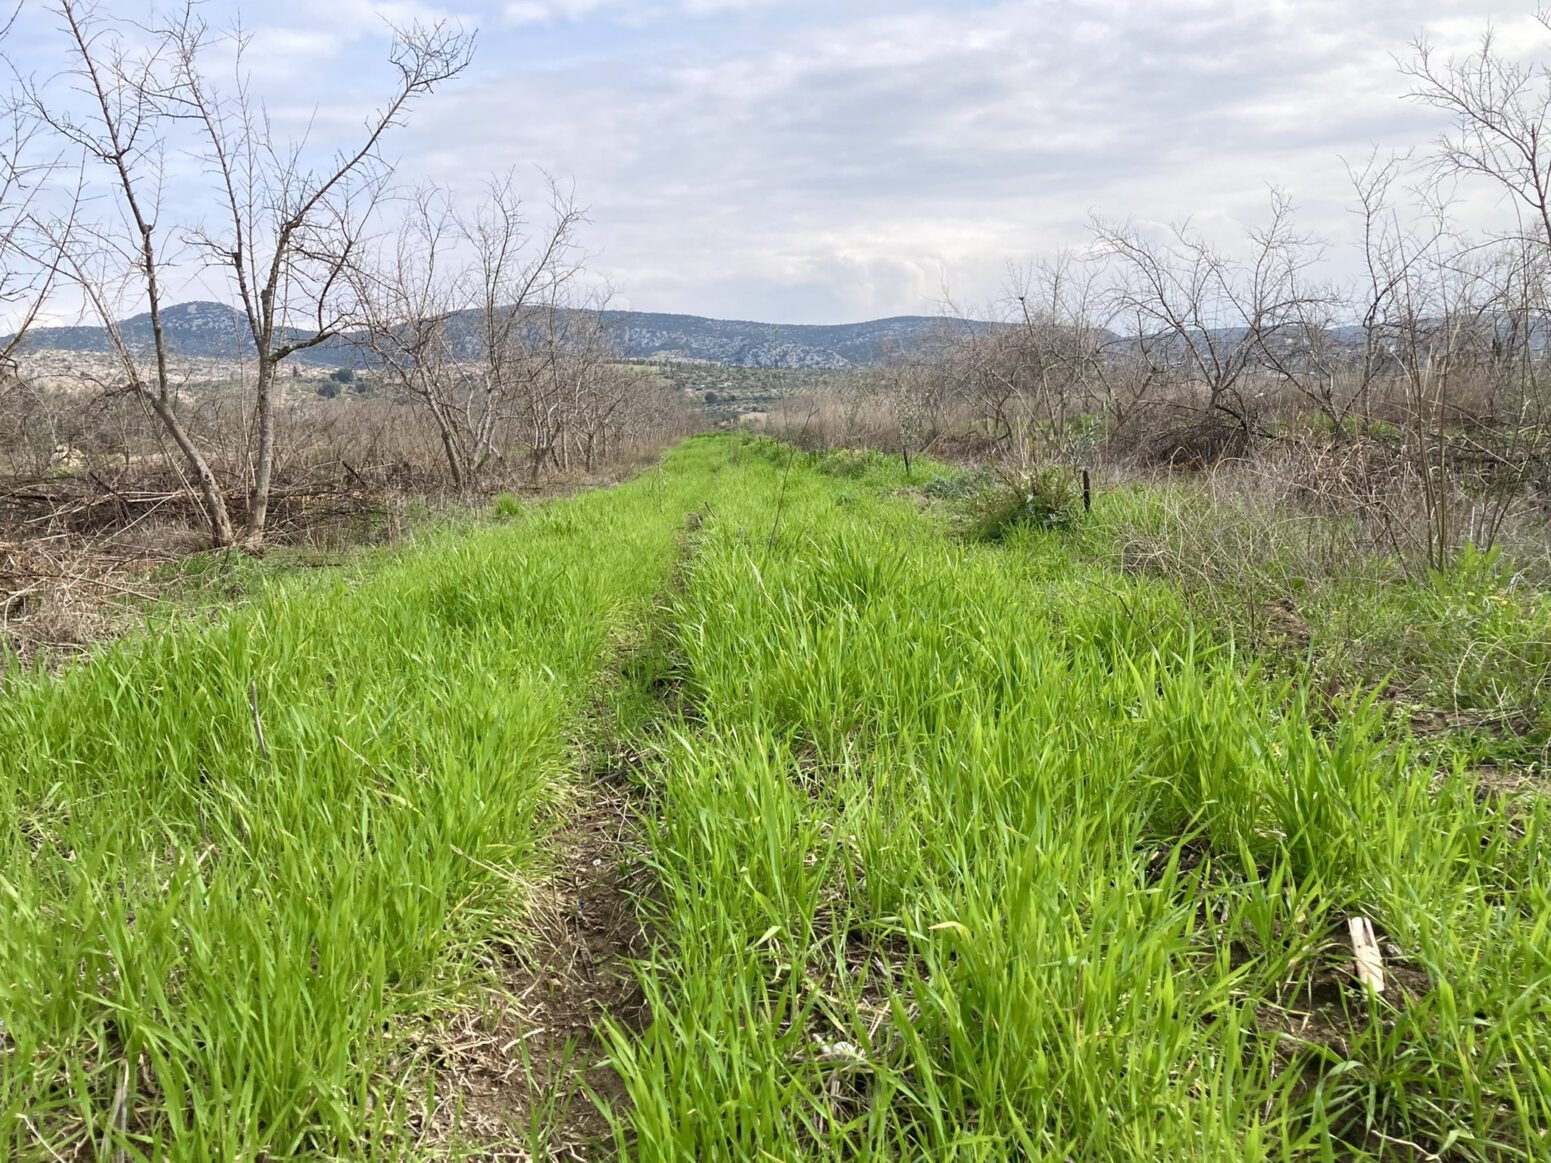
pixel 831 160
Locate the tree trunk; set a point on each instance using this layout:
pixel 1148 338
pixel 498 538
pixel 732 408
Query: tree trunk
pixel 460 478
pixel 219 519
pixel 264 462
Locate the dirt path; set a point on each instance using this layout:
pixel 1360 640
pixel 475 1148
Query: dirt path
pixel 526 1074
pixel 532 1072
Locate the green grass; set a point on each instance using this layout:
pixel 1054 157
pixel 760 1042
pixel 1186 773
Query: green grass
pixel 1463 655
pixel 215 949
pixel 959 850
pixel 980 853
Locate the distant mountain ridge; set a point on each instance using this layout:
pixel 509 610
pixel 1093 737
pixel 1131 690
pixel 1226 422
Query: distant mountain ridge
pixel 745 343
pixel 216 331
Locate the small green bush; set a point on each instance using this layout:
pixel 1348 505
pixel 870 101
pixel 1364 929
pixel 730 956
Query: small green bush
pixel 956 486
pixel 1042 498
pixel 507 507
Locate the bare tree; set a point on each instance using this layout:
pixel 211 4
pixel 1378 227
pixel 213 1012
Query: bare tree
pixel 1130 375
pixel 120 129
pixel 1501 109
pixel 1383 269
pixel 291 223
pixel 523 279
pixel 466 315
pixel 914 391
pixel 1457 324
pixel 292 228
pixel 410 297
pixel 1061 345
pixel 600 389
pixel 1208 317
pixel 1452 329
pixel 30 249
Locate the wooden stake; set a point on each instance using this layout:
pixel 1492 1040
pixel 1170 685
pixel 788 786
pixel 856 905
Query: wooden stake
pixel 1365 949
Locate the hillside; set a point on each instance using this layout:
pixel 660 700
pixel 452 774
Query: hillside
pixel 743 343
pixel 201 330
pixel 214 330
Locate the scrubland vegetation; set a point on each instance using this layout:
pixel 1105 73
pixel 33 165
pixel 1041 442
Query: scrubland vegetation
pixel 1398 414
pixel 728 392
pixel 482 355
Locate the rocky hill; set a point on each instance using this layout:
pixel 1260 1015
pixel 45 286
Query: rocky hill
pixel 741 343
pixel 215 331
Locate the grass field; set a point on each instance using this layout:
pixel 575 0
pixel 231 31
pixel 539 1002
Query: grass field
pixel 952 851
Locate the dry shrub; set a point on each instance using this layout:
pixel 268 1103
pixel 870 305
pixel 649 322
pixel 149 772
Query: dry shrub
pixel 1241 535
pixel 60 594
pixel 1185 437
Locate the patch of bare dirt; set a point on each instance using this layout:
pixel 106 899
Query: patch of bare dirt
pixel 530 1078
pixel 1508 783
pixel 1328 1005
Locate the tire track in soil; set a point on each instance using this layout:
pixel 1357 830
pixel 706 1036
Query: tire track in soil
pixel 530 1078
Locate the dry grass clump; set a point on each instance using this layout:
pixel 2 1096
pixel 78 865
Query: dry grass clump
pixel 60 594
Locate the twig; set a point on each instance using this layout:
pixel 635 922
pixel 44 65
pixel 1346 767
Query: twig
pixel 75 579
pixel 31 1126
pixel 117 1116
pixel 790 460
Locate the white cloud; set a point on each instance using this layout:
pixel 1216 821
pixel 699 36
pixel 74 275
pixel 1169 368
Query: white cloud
pixel 547 11
pixel 823 159
pixel 633 13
